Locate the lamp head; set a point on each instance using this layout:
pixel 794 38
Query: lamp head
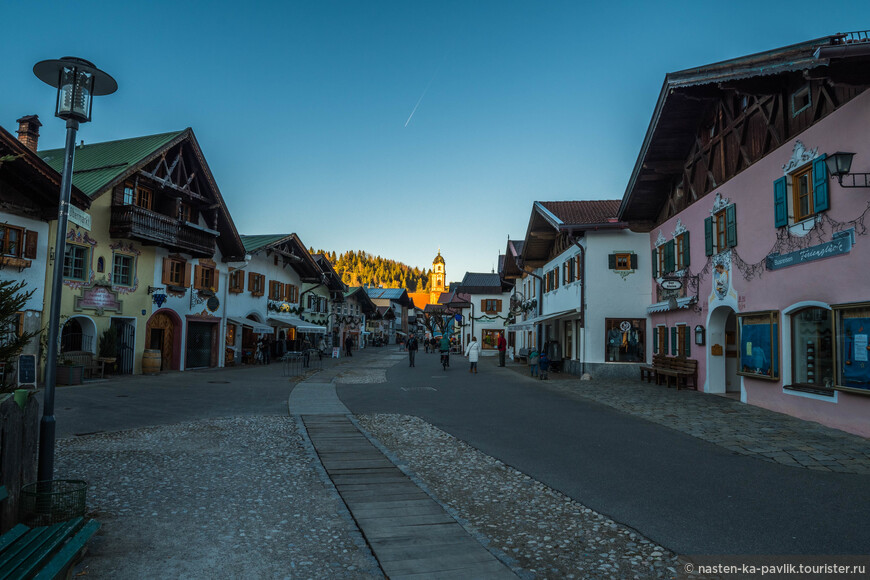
pixel 77 81
pixel 839 164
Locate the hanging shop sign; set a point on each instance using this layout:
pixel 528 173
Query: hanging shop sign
pixel 671 284
pixel 836 247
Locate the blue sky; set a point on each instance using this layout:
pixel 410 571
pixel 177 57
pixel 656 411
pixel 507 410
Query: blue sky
pixel 304 109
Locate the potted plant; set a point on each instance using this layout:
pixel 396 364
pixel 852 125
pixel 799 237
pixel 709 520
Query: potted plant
pixel 69 373
pixel 108 346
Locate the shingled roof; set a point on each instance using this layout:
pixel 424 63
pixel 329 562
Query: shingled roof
pixel 480 283
pixel 583 212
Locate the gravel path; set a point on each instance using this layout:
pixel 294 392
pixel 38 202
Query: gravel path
pixel 547 533
pixel 221 498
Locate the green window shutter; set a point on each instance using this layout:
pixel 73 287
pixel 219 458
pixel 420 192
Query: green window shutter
pixel 611 261
pixel 632 261
pixel 731 225
pixel 687 343
pixel 665 340
pixel 685 250
pixel 655 263
pixel 780 206
pixel 669 257
pixel 821 200
pixel 675 346
pixel 656 340
pixel 708 236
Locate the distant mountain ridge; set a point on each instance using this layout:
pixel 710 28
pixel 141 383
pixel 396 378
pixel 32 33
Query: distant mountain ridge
pixel 358 268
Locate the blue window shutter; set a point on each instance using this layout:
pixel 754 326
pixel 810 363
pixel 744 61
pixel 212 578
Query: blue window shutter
pixel 687 343
pixel 685 256
pixel 669 257
pixel 780 206
pixel 731 225
pixel 821 200
pixel 656 341
pixel 632 261
pixel 708 236
pixel 611 261
pixel 655 263
pixel 675 346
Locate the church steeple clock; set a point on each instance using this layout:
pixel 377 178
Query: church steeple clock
pixel 438 274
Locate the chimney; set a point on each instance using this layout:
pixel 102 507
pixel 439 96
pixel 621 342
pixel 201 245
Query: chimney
pixel 28 131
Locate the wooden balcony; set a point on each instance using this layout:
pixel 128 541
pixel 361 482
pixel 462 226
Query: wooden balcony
pixel 152 228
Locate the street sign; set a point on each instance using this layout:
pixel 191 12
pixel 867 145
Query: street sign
pixel 671 284
pixel 79 217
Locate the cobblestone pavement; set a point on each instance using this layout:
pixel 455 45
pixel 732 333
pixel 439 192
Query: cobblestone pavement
pixel 217 498
pixel 744 429
pixel 545 533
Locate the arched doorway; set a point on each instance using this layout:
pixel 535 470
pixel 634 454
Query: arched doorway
pixel 79 334
pixel 722 352
pixel 162 332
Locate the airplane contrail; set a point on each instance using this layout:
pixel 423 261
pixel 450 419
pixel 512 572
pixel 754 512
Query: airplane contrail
pixel 420 100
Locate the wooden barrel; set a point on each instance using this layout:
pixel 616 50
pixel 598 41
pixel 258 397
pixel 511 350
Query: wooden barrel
pixel 151 360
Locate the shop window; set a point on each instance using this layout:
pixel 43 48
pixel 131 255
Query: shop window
pixel 759 344
pixel 808 187
pixel 489 339
pixel 852 323
pixel 812 346
pixel 75 262
pixel 176 272
pixel 720 230
pixel 624 339
pixel 123 269
pixel 237 281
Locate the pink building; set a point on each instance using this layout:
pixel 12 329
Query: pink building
pixel 771 251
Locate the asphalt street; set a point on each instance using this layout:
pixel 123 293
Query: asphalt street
pixel 688 495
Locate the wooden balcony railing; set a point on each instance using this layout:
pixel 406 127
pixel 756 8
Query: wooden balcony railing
pixel 150 227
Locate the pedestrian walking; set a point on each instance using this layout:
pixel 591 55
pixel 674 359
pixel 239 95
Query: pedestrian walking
pixel 533 362
pixel 412 349
pixel 472 351
pixel 348 345
pixel 502 349
pixel 544 363
pixel 444 347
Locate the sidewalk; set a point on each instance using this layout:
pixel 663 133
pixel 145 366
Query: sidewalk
pixel 741 428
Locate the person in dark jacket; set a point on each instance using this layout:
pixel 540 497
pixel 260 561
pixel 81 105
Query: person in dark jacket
pixel 412 349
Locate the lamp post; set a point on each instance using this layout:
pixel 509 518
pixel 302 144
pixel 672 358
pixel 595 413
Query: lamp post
pixel 77 81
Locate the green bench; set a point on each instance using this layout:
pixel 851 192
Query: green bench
pixel 45 551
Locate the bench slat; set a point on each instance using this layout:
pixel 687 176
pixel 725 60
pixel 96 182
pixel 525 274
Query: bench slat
pixel 50 544
pixel 10 538
pixel 62 560
pixel 19 552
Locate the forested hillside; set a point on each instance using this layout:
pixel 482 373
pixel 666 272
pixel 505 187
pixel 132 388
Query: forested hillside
pixel 359 267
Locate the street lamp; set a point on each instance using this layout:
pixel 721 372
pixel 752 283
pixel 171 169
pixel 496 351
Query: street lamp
pixel 840 164
pixel 77 81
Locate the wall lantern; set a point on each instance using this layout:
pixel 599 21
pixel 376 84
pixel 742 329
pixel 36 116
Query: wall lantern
pixel 699 335
pixel 77 81
pixel 840 164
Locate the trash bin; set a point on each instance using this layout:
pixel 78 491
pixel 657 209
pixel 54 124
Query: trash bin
pixel 49 502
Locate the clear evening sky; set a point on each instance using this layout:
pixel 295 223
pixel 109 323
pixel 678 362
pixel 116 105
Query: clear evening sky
pixel 394 127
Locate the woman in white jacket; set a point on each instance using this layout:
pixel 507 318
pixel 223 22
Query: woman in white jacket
pixel 472 351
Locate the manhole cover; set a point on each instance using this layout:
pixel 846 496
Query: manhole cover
pixel 419 389
pixel 219 382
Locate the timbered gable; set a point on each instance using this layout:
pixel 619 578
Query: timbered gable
pixel 713 122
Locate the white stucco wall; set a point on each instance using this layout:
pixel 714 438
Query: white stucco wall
pixel 35 275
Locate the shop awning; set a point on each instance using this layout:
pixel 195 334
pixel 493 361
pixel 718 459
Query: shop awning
pixel 530 323
pixel 257 327
pixel 297 323
pixel 665 306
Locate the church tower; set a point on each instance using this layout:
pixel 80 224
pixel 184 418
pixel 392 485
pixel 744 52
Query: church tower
pixel 438 274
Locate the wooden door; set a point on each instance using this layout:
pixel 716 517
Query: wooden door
pixel 160 335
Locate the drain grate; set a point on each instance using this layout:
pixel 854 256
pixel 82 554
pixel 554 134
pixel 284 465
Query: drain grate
pixel 219 382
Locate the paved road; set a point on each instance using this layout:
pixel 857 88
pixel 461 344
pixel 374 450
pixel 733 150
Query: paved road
pixel 689 495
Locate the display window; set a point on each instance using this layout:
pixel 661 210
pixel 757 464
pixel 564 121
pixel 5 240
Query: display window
pixel 489 339
pixel 852 327
pixel 759 344
pixel 624 339
pixel 812 347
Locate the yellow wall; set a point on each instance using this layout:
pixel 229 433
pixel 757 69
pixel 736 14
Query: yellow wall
pixel 133 303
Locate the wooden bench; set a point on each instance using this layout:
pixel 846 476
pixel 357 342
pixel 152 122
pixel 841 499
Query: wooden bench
pixel 86 359
pixel 522 355
pixel 681 370
pixel 649 372
pixel 45 551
